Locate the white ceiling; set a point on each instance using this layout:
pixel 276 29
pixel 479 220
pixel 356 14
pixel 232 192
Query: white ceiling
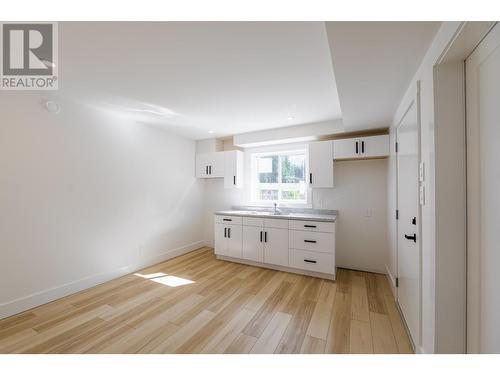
pixel 374 63
pixel 192 77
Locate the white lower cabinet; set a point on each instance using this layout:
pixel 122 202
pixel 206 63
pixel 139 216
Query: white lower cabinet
pixel 312 261
pixel 253 247
pixel 294 244
pixel 228 240
pixel 265 245
pixel 276 246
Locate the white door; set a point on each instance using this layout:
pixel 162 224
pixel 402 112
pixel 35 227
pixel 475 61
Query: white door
pixel 220 243
pixel 321 164
pixel 276 246
pixel 234 241
pixel 374 146
pixel 483 195
pixel 253 244
pixel 346 148
pixel 408 258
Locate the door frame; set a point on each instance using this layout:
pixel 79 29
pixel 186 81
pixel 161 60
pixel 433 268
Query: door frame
pixel 450 171
pixel 474 284
pixel 415 101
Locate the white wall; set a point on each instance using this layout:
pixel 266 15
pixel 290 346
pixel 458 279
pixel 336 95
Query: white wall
pixel 359 185
pixel 425 74
pixel 361 242
pixel 87 196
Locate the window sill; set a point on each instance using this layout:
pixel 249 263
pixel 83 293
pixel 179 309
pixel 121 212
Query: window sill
pixel 282 205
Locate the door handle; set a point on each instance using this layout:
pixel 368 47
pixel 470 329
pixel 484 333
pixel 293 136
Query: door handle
pixel 309 261
pixel 225 232
pixel 206 169
pixel 228 232
pixel 210 169
pixel 234 180
pixel 265 236
pixel 310 178
pixel 362 147
pixel 412 238
pixel 309 241
pixel 357 148
pixel 260 236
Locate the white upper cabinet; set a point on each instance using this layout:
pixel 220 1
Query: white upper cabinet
pixel 376 146
pixel 225 164
pixel 321 164
pixel 233 172
pixel 210 165
pixel 202 163
pixel 346 148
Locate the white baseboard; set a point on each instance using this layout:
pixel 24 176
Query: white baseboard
pixel 48 295
pixel 392 279
pixel 356 268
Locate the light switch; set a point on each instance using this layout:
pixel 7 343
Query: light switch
pixel 421 175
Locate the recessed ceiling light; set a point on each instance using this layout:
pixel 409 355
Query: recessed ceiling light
pixel 290 118
pixel 210 132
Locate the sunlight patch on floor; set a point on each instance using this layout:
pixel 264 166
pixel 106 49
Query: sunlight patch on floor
pixel 163 278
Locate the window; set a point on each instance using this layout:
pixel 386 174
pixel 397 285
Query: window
pixel 279 177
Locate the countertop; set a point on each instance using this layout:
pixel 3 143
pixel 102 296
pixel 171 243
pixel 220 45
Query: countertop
pixel 330 217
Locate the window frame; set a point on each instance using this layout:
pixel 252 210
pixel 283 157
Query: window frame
pixel 255 185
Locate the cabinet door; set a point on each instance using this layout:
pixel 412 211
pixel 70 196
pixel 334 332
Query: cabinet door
pixel 253 246
pixel 202 165
pixel 234 241
pixel 233 169
pixel 375 146
pixel 220 240
pixel 346 148
pixel 217 164
pixel 276 246
pixel 321 164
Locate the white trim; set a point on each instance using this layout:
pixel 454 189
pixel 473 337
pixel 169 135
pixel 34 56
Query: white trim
pixel 48 295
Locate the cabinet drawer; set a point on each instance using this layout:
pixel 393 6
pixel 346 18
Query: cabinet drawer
pixel 313 226
pixel 253 221
pixel 312 261
pixel 234 220
pixel 276 223
pixel 312 241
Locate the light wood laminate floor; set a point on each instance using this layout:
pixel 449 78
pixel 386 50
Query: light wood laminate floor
pixel 197 304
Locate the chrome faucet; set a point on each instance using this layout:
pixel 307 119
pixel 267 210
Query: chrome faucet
pixel 276 211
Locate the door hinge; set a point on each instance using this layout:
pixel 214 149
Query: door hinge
pixel 396 145
pixel 397 282
pixel 397 214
